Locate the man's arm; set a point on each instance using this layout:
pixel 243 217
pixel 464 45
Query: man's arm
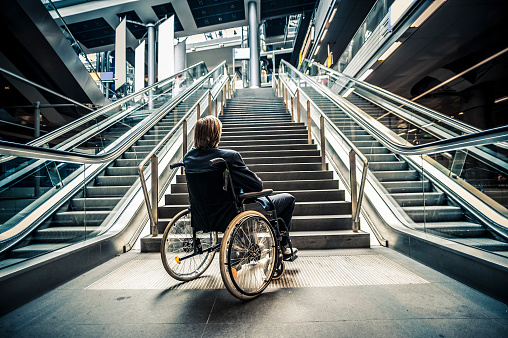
pixel 242 176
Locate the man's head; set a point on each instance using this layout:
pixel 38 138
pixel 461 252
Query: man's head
pixel 207 132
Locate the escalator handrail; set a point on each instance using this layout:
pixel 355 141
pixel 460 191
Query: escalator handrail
pixel 76 123
pixel 489 136
pixel 21 78
pixel 30 151
pixel 422 109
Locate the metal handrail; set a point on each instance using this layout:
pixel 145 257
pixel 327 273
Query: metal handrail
pixel 76 123
pixel 5 71
pixel 356 200
pixel 494 135
pixel 84 119
pixel 152 157
pixel 30 151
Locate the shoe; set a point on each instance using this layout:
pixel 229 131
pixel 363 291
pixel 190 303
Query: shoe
pixel 287 251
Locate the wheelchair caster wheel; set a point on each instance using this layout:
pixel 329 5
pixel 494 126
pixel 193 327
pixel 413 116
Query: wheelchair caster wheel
pixel 277 273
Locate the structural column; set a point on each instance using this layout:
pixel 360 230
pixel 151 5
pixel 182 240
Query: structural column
pixel 151 53
pixel 253 45
pixel 180 56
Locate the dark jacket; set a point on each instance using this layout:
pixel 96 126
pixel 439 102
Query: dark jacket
pixel 212 206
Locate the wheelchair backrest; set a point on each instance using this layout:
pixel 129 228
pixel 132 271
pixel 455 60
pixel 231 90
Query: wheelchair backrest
pixel 213 204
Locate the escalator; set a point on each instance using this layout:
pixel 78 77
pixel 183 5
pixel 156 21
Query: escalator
pixel 54 204
pixel 427 205
pixel 418 195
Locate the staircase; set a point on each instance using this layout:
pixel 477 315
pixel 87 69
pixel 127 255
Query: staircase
pixel 256 124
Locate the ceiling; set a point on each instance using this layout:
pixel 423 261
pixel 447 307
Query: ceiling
pixel 93 23
pixel 457 36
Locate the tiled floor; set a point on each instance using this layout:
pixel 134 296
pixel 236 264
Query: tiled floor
pixel 434 305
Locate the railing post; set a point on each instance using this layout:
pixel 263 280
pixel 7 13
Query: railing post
pixel 322 129
pixel 155 194
pixel 184 127
pixel 198 108
pixel 287 102
pixel 292 113
pixel 225 91
pixel 353 185
pixel 216 107
pixel 209 103
pixel 298 105
pixel 309 126
pixel 222 101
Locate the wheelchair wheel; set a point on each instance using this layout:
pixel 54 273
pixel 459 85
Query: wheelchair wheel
pixel 247 255
pixel 177 243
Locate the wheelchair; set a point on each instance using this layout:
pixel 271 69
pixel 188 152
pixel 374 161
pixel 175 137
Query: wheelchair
pixel 250 253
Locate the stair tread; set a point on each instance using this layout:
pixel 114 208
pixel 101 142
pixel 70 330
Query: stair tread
pixel 452 225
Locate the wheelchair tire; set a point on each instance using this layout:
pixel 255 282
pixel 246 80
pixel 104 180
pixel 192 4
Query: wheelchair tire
pixel 248 255
pixel 177 243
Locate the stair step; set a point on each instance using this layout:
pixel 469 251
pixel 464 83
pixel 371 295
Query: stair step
pixel 64 234
pixel 300 195
pixel 126 180
pixel 483 243
pixel 433 213
pixel 387 166
pixel 280 185
pixel 104 191
pixel 453 229
pixel 80 218
pixel 94 203
pixel 283 175
pixel 314 240
pixel 280 160
pixel 405 187
pixel 34 250
pixel 396 175
pixel 419 198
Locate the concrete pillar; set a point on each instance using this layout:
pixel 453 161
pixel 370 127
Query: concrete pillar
pixel 180 56
pixel 253 45
pixel 151 53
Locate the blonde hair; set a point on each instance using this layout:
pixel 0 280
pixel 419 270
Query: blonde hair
pixel 207 132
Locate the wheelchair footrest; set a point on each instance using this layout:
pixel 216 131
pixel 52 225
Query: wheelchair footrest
pixel 290 258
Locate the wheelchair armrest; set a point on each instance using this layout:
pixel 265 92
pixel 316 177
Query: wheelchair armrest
pixel 176 165
pixel 256 194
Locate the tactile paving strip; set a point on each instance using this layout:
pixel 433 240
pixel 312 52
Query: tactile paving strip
pixel 149 274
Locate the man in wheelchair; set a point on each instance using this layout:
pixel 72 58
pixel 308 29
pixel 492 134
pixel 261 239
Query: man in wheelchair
pixel 207 133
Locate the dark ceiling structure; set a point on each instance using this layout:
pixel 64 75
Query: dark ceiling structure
pixel 94 31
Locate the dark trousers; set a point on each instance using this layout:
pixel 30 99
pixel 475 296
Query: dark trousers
pixel 284 205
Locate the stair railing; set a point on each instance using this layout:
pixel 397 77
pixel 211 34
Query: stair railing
pixel 151 200
pixel 303 98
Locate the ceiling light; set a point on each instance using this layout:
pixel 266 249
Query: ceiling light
pixel 461 113
pixel 333 14
pixel 390 50
pixel 410 131
pixel 365 75
pixel 349 91
pixel 317 50
pixel 428 12
pixel 323 36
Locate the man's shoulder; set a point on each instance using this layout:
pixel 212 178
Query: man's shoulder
pixel 227 152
